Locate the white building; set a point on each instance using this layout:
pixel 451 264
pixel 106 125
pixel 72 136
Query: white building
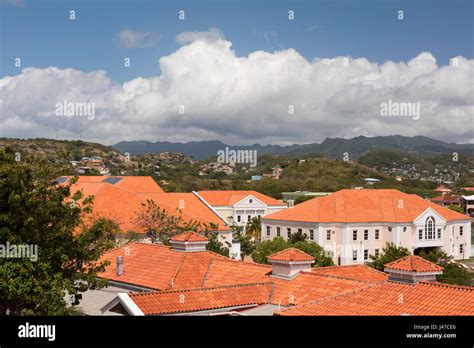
pixel 354 224
pixel 239 207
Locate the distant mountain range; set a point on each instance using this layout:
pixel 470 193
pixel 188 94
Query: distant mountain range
pixel 332 147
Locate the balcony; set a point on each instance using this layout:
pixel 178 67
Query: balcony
pixel 427 243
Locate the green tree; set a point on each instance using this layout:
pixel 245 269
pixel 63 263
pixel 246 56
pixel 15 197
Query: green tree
pixel 246 245
pixel 389 253
pixel 456 208
pixel 268 247
pixel 321 257
pixel 157 223
pixel 253 229
pixel 36 211
pixel 215 245
pixel 299 236
pixel 453 272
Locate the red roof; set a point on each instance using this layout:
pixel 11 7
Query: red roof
pixel 189 237
pixel 290 254
pixel 123 201
pixel 189 300
pixel 413 263
pixel 368 205
pixel 394 299
pixel 158 267
pixel 209 281
pixel 230 197
pixel 446 198
pixel 442 188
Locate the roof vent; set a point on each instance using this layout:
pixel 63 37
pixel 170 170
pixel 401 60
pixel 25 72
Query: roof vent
pixel 119 265
pixel 289 262
pixel 412 269
pixel 189 241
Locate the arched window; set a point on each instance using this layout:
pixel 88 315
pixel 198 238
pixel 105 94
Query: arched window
pixel 429 228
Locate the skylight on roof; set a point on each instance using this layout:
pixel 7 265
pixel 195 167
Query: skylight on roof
pixel 61 179
pixel 112 181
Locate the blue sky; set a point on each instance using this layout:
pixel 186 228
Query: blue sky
pixel 233 70
pixel 41 33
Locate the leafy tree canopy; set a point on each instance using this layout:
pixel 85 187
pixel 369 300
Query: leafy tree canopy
pixel 266 248
pixel 37 212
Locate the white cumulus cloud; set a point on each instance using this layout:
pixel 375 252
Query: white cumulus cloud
pixel 131 39
pixel 246 99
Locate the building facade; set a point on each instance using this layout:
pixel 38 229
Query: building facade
pixel 354 224
pixel 239 207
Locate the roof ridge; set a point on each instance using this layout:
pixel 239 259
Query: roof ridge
pixel 148 293
pixel 173 277
pixel 334 276
pixel 207 272
pixel 352 291
pixel 446 285
pixel 244 262
pixel 349 266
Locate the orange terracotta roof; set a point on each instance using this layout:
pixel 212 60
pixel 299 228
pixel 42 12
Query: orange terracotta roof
pixel 229 197
pixel 338 290
pixel 413 263
pixel 124 200
pixel 158 267
pixel 231 272
pixel 446 198
pixel 290 254
pixel 394 299
pixel 442 188
pixel 189 237
pixel 307 287
pixel 368 205
pixel 189 300
pixel 355 272
pixel 303 288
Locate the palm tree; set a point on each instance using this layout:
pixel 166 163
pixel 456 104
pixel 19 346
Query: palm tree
pixel 253 229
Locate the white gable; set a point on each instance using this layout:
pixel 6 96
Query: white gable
pixel 250 202
pixel 421 219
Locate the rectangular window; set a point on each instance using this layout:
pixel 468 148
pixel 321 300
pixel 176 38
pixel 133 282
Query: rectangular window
pixel 311 234
pixel 377 252
pixel 439 233
pixel 288 232
pixel 461 248
pixel 377 234
pixel 420 234
pixel 366 254
pixel 278 232
pixel 328 234
pixel 249 217
pixel 354 255
pixel 366 234
pixel 300 230
pixel 461 230
pixel 354 235
pixel 268 231
pixel 239 218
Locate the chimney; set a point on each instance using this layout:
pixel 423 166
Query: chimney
pixel 119 265
pixel 412 269
pixel 288 263
pixel 189 241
